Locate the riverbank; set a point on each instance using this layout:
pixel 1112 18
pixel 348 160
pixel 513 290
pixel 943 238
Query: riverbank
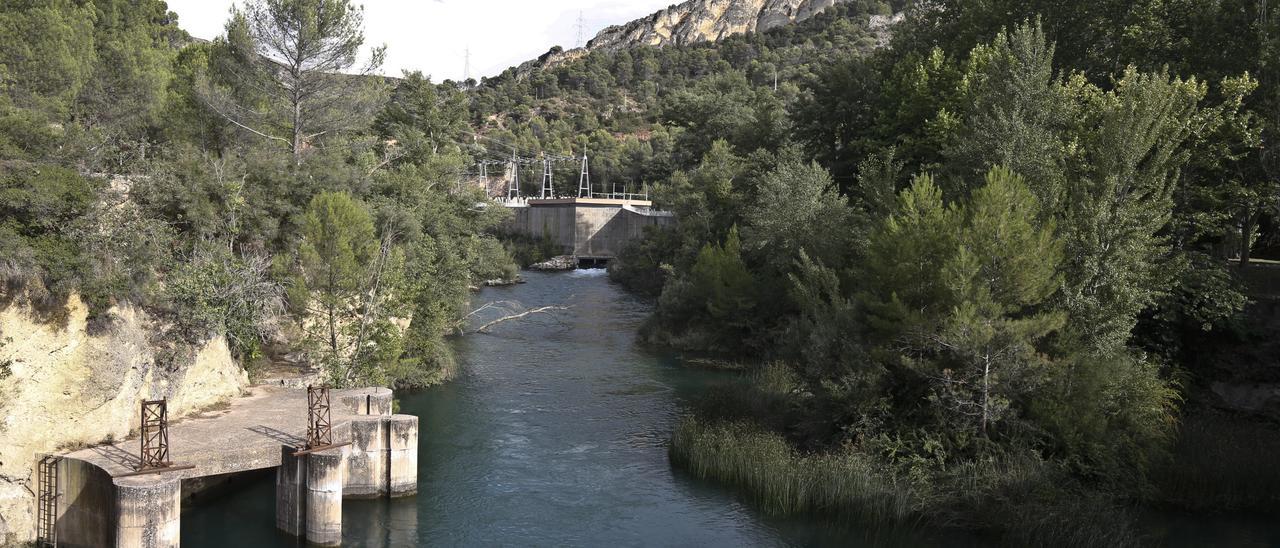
pixel 1220 468
pixel 555 433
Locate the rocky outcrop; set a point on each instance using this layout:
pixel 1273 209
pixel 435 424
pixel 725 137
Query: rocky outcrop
pixel 62 387
pixel 708 21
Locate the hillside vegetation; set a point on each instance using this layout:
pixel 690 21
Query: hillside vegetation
pixel 976 258
pixel 978 268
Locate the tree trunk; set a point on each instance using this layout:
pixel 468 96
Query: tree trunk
pixel 297 129
pixel 986 390
pixel 1246 238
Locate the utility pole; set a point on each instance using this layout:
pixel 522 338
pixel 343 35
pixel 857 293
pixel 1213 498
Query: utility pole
pixel 584 179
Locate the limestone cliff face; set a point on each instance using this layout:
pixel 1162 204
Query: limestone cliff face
pixel 707 21
pixel 62 387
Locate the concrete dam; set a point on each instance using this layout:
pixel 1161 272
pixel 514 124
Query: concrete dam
pixel 590 229
pixel 114 495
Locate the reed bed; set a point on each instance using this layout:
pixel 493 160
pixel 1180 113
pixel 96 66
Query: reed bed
pixel 780 480
pixel 1223 464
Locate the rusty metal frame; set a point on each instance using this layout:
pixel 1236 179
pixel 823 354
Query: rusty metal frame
pixel 319 422
pixel 154 457
pixel 319 417
pixel 155 435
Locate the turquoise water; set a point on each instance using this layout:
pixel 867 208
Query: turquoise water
pixel 555 435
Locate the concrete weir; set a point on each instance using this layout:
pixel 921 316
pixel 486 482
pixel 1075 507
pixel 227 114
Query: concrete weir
pixel 595 229
pixel 100 504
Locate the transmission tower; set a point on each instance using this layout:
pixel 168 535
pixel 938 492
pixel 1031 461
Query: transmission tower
pixel 513 190
pixel 584 180
pixel 547 190
pixel 582 29
pixel 466 65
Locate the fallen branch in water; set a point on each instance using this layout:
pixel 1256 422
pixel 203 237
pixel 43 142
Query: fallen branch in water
pixel 543 310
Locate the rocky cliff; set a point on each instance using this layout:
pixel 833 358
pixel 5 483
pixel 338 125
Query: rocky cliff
pixel 65 385
pixel 707 21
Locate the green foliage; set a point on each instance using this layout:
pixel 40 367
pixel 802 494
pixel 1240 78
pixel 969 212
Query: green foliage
pixel 336 256
pixel 48 53
pixel 423 118
pixel 716 301
pixel 798 208
pixel 40 206
pixel 300 56
pixel 218 292
pixel 958 295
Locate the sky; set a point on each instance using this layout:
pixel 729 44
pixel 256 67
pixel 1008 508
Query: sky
pixel 433 36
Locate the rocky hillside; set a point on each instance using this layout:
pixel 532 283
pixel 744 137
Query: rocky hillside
pixel 64 385
pixel 697 21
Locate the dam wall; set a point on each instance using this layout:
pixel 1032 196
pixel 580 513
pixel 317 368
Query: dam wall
pixel 587 228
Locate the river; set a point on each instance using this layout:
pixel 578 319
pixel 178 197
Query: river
pixel 554 434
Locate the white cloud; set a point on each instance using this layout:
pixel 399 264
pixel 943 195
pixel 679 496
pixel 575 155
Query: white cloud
pixel 433 35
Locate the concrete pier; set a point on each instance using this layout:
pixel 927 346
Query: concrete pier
pixel 100 504
pixel 367 465
pixel 403 453
pixel 325 472
pixel 291 495
pixel 149 512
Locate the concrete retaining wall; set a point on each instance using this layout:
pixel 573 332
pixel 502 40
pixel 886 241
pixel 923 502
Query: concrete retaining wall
pixel 384 457
pixel 291 501
pixel 86 505
pixel 369 401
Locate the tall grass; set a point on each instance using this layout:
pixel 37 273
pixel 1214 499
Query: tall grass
pixel 1021 498
pixel 782 481
pixel 733 438
pixel 1223 464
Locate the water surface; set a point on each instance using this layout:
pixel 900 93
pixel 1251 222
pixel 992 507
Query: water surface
pixel 554 434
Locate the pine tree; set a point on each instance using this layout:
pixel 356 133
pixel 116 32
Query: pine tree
pixel 337 251
pixel 299 58
pixel 1002 276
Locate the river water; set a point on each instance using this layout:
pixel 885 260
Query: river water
pixel 554 435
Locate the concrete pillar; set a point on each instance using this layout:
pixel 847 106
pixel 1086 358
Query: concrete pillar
pixel 325 471
pixel 368 401
pixel 291 501
pixel 402 436
pixel 367 463
pixel 148 512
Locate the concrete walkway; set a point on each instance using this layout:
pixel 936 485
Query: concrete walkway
pixel 246 436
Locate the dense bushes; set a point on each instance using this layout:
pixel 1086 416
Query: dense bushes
pixel 1010 316
pixel 141 168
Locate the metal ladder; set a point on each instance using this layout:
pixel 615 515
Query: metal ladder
pixel 47 500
